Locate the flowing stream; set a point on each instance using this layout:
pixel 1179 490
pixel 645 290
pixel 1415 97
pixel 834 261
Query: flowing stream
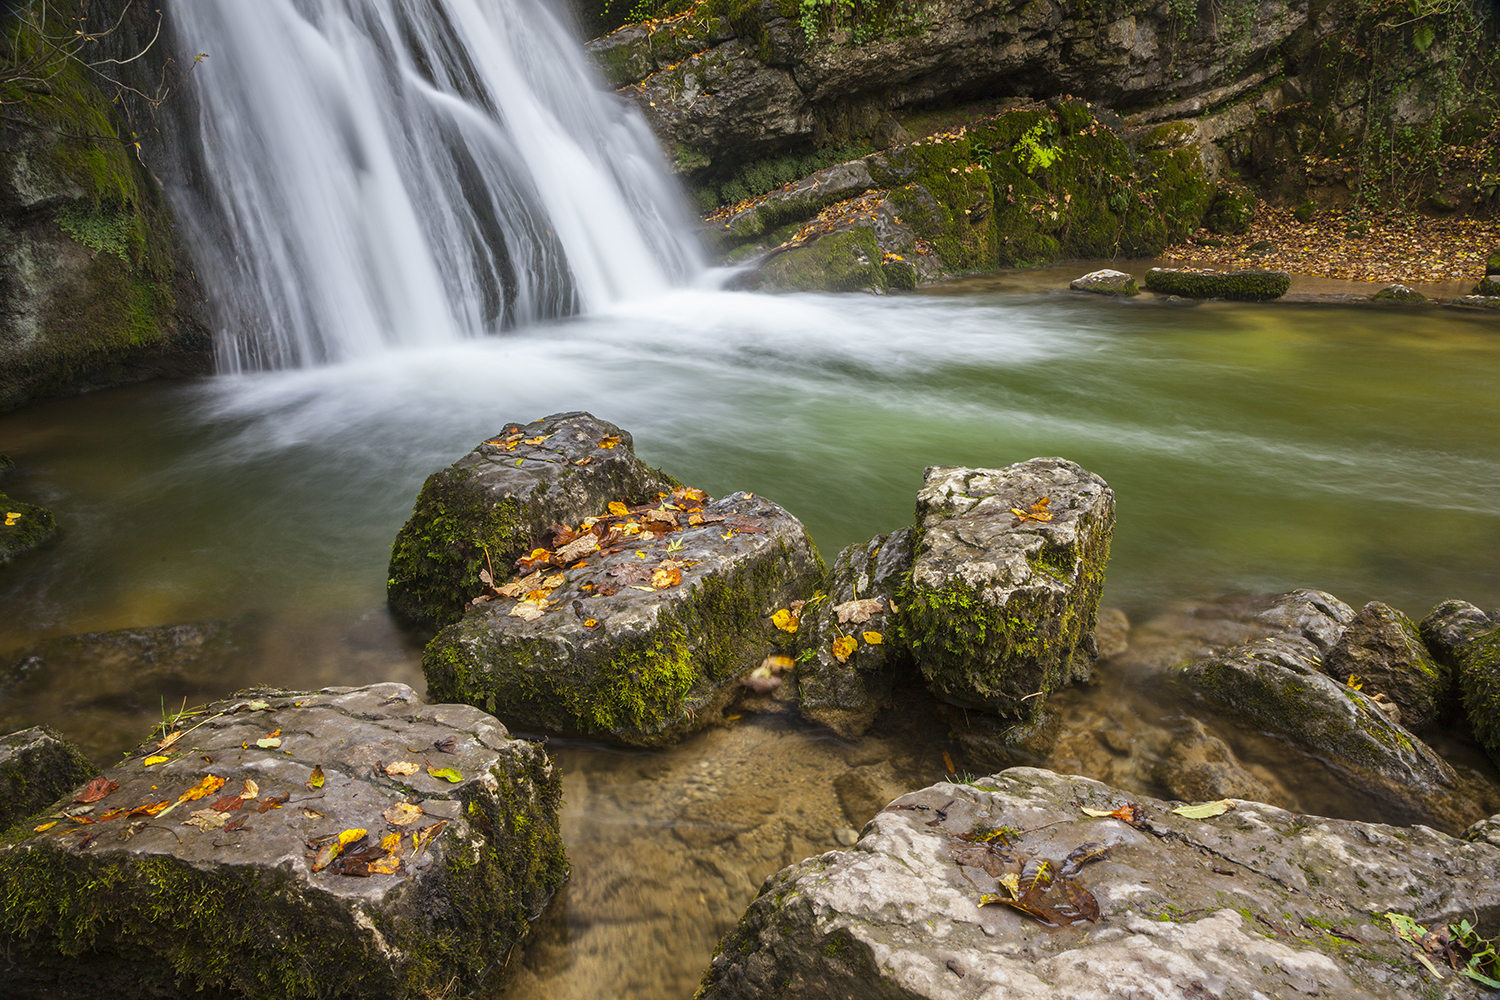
pixel 419 223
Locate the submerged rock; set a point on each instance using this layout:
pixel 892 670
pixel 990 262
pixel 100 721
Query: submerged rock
pixel 863 591
pixel 352 841
pixel 1004 593
pixel 1255 902
pixel 1239 286
pixel 645 640
pixel 37 766
pixel 491 506
pixel 1106 282
pixel 1398 293
pixel 1194 630
pixel 1384 650
pixel 1112 634
pixel 23 527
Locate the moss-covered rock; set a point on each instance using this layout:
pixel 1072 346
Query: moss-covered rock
pixel 1492 264
pixel 1383 648
pixel 1488 286
pixel 1239 286
pixel 620 652
pixel 200 873
pixel 491 506
pixel 1398 293
pixel 37 767
pixel 900 275
pixel 845 695
pixel 1002 606
pixel 23 527
pixel 844 261
pixel 1231 211
pixel 1450 628
pixel 1479 684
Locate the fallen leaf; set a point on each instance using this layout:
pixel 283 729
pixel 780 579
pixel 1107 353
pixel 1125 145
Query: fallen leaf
pixel 149 809
pixel 661 579
pixel 1130 813
pixel 388 865
pixel 258 705
pixel 403 814
pixel 210 784
pixel 237 824
pixel 425 837
pixel 536 440
pixel 268 742
pixel 311 813
pixel 446 773
pixel 577 549
pixel 114 813
pixel 609 442
pixel 844 647
pixel 156 760
pixel 1205 810
pixel 228 803
pixel 11 517
pixel 326 855
pixel 529 611
pixel 207 819
pixel 1355 683
pixel 448 744
pixel 44 827
pixel 1082 901
pixel 590 623
pixel 97 789
pixel 649 590
pixel 530 561
pixel 169 739
pixel 251 790
pixel 316 779
pixel 873 638
pixel 858 612
pixel 391 842
pixel 273 802
pixel 617 509
pixel 786 620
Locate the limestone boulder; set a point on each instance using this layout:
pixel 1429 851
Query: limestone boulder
pixel 37 766
pixel 494 504
pixel 1106 282
pixel 1451 627
pixel 645 626
pixel 844 686
pixel 1479 685
pixel 1384 650
pixel 1195 630
pixel 350 841
pixel 1398 293
pixel 1254 902
pixel 1004 593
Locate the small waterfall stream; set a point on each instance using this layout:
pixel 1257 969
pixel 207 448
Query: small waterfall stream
pixel 379 173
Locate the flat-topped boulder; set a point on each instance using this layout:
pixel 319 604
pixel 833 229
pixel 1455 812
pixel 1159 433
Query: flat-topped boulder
pixel 490 507
pixel 1106 282
pixel 1239 286
pixel 637 624
pixel 37 766
pixel 1006 887
pixel 351 841
pixel 1004 593
pixel 23 527
pixel 852 650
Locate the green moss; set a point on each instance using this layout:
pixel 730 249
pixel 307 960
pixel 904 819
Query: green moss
pixel 900 275
pixel 1489 285
pixel 32 526
pixel 847 261
pixel 1240 286
pixel 1231 212
pixel 1479 683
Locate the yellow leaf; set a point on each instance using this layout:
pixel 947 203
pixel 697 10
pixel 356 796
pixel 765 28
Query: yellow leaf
pixel 617 509
pixel 664 578
pixel 873 638
pixel 590 623
pixel 384 866
pixel 211 783
pixel 156 760
pixel 350 835
pixel 1355 682
pixel 1205 810
pixel 315 780
pixel 269 743
pixel 536 440
pixel 44 827
pixel 786 620
pixel 609 442
pixel 401 768
pixel 402 814
pixel 844 647
pixel 251 790
pixel 391 842
pixel 11 517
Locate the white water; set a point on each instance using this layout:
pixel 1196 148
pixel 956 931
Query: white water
pixel 379 173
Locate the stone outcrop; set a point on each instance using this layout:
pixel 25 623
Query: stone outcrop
pixel 1106 282
pixel 642 629
pixel 1383 649
pixel 1239 286
pixel 37 766
pixel 493 505
pixel 843 677
pixel 1256 901
pixel 1005 586
pixel 352 841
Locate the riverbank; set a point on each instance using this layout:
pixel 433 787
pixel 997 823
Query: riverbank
pixel 1406 248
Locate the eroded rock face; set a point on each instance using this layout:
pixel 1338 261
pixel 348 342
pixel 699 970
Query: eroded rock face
pixel 492 505
pixel 215 869
pixel 1383 648
pixel 1258 901
pixel 36 767
pixel 623 653
pixel 1002 605
pixel 845 696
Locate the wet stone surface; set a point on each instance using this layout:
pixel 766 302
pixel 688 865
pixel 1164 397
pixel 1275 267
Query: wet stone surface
pixel 37 766
pixel 1257 901
pixel 287 844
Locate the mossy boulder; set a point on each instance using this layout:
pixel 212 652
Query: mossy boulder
pixel 1488 286
pixel 1398 293
pixel 23 527
pixel 1239 286
pixel 645 643
pixel 216 870
pixel 1106 282
pixel 491 506
pixel 37 767
pixel 1231 212
pixel 1479 684
pixel 1450 628
pixel 1276 683
pixel 845 695
pixel 844 261
pixel 795 202
pixel 1383 648
pixel 1492 264
pixel 1002 606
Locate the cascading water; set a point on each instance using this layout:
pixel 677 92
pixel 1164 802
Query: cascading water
pixel 377 173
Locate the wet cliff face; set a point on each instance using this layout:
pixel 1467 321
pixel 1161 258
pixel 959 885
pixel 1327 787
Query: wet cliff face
pixel 93 292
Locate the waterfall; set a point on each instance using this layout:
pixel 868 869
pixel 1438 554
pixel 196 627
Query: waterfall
pixel 379 173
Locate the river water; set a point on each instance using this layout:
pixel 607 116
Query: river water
pixel 1251 448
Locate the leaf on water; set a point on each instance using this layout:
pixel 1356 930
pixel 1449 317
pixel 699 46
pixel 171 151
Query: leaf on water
pixel 858 612
pixel 663 578
pixel 251 790
pixel 451 774
pixel 402 814
pixel 44 827
pixel 97 789
pixel 273 802
pixel 155 760
pixel 210 784
pixel 1205 810
pixel 228 803
pixel 786 620
pixel 844 647
pixel 873 638
pixel 268 742
pixel 316 779
pixel 207 819
pixel 609 442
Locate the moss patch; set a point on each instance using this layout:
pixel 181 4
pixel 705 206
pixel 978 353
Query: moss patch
pixel 847 261
pixel 23 527
pixel 1239 286
pixel 1479 683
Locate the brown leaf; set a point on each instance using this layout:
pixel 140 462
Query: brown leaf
pixel 1081 900
pixel 577 549
pixel 448 744
pixel 403 814
pixel 662 578
pixel 859 612
pixel 228 803
pixel 747 527
pixel 97 789
pixel 207 819
pixel 273 802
